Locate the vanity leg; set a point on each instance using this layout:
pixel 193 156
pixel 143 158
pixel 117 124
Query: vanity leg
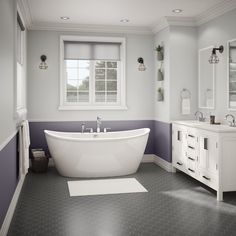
pixel 219 196
pixel 173 169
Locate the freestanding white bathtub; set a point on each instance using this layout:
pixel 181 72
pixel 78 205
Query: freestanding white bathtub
pixel 97 154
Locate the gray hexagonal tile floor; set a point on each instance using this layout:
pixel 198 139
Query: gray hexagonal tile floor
pixel 175 205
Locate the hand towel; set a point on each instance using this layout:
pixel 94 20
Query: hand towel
pixel 185 106
pixel 24 146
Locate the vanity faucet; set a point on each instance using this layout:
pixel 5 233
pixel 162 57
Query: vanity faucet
pixel 199 116
pixel 99 123
pixel 83 127
pixel 232 121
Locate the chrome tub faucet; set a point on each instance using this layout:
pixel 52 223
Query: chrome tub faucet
pixel 199 116
pixel 99 123
pixel 83 127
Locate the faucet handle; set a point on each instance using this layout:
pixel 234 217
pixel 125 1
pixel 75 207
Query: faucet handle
pixel 106 129
pixel 90 130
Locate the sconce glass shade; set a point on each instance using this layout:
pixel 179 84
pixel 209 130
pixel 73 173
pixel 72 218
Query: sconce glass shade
pixel 43 65
pixel 214 59
pixel 141 66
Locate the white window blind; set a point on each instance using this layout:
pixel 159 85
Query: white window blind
pixel 91 51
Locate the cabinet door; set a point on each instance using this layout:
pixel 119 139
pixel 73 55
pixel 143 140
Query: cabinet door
pixel 208 152
pixel 178 146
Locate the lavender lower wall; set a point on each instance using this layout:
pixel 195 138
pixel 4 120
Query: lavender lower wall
pixel 162 140
pixel 9 163
pixel 159 141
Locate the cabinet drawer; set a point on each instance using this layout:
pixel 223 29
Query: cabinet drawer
pixel 191 169
pixel 208 179
pixel 192 140
pixel 191 151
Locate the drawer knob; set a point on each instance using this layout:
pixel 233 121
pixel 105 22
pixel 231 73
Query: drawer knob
pixel 207 178
pixel 191 136
pixel 190 158
pixel 180 164
pixel 191 170
pixel 190 147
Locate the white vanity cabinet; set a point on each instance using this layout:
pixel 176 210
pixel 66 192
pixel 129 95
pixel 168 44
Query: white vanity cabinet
pixel 207 153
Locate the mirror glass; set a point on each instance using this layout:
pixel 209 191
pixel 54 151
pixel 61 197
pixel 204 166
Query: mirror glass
pixel 206 79
pixel 232 74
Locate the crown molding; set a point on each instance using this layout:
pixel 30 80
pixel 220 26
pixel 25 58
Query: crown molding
pixel 90 28
pixel 162 24
pixel 208 15
pixel 173 20
pixel 182 21
pixel 25 10
pixel 215 11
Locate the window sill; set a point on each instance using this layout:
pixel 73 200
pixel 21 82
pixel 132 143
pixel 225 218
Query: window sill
pixel 91 108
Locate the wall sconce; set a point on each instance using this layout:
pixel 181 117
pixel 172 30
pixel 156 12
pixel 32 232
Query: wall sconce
pixel 43 65
pixel 141 66
pixel 214 59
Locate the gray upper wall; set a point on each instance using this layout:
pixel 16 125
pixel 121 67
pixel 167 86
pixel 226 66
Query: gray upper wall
pixel 43 85
pixel 7 70
pixel 218 32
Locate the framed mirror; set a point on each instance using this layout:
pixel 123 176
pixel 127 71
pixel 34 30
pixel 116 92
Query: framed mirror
pixel 231 82
pixel 206 79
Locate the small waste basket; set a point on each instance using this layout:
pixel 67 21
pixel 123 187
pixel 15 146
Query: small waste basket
pixel 39 161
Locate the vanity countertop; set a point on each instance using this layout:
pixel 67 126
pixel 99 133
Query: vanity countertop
pixel 206 126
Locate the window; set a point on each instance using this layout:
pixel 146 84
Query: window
pixel 92 73
pixel 20 99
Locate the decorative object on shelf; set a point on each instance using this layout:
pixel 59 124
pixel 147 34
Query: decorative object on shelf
pixel 160 54
pixel 43 65
pixel 160 76
pixel 160 94
pixel 214 59
pixel 185 95
pixel 141 66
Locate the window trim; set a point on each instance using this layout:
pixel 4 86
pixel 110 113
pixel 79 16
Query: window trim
pixel 20 111
pixel 122 103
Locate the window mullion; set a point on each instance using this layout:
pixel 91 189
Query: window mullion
pixel 105 82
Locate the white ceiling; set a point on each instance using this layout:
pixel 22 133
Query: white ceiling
pixel 141 13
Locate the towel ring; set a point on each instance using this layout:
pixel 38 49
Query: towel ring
pixel 185 93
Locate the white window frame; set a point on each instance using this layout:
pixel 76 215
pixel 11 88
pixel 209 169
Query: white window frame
pixel 20 73
pixel 121 104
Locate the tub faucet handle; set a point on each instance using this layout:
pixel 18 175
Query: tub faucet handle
pixel 90 130
pixel 106 129
pixel 83 127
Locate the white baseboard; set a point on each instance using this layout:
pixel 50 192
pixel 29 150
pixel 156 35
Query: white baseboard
pixel 148 158
pixel 158 161
pixel 11 209
pixel 163 164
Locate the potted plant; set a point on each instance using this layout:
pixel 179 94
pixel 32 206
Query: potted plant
pixel 160 95
pixel 160 55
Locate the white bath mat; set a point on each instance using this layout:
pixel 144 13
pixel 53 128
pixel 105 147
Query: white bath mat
pixel 104 186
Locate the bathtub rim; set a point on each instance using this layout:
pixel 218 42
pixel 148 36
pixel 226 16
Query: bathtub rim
pixel 51 133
